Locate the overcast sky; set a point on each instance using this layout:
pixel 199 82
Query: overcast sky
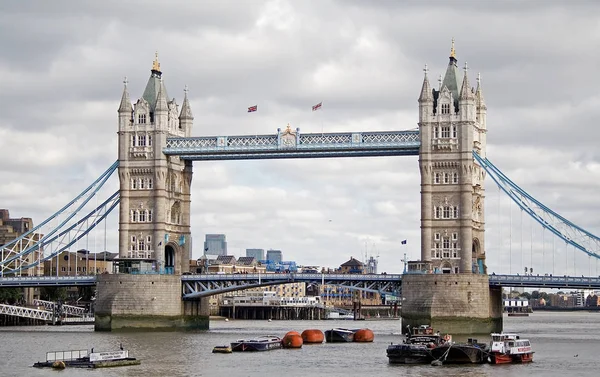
pixel 63 64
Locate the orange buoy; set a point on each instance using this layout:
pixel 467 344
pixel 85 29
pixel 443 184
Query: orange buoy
pixel 291 333
pixel 313 336
pixel 364 336
pixel 292 341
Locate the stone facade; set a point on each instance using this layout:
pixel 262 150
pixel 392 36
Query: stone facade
pixel 155 189
pixel 453 293
pixel 451 303
pixel 153 302
pixel 154 229
pixel 452 124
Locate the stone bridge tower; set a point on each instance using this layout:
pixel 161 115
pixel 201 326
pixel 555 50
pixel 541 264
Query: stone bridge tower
pixel 451 288
pixel 154 229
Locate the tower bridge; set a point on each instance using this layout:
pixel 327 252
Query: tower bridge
pixel 449 287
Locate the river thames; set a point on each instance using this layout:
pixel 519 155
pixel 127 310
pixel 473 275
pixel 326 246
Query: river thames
pixel 565 344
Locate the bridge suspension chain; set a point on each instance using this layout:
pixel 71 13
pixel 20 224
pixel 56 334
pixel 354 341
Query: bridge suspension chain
pixel 47 240
pixel 572 234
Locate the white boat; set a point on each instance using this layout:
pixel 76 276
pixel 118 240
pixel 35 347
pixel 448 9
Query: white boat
pixel 509 348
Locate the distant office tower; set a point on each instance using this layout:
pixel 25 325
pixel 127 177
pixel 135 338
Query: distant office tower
pixel 274 256
pixel 371 266
pixel 258 254
pixel 215 244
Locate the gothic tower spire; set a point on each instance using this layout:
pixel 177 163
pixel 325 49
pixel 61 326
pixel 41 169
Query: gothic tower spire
pixel 426 93
pixel 125 106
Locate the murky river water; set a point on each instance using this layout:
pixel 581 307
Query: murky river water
pixel 565 344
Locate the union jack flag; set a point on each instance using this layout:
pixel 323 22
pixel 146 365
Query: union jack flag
pixel 252 109
pixel 317 106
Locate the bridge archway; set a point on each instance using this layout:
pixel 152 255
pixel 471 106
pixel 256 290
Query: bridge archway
pixel 477 257
pixel 170 258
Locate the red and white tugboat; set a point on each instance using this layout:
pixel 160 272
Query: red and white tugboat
pixel 509 348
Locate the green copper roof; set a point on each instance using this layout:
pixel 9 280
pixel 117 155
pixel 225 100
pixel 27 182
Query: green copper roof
pixel 451 80
pixel 151 91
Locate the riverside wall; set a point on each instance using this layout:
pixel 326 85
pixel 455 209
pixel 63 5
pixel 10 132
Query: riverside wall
pixel 451 303
pixel 146 302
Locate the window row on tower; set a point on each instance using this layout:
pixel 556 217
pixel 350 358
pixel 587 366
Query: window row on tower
pixel 445 132
pixel 141 216
pixel 445 246
pixel 445 178
pixel 141 243
pixel 141 140
pixel 141 184
pixel 445 212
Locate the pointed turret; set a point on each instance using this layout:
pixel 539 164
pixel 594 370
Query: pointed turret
pixel 426 93
pixel 465 90
pixel 466 102
pixel 125 106
pixel 425 99
pixel 479 100
pixel 186 110
pixel 161 99
pixel 186 118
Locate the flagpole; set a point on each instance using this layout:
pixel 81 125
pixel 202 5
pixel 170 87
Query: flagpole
pixel 321 108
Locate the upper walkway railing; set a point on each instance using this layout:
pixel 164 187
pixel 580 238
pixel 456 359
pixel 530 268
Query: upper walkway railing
pixel 293 144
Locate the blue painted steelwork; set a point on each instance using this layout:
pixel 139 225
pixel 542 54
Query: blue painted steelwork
pixel 558 225
pixel 202 285
pixel 47 281
pixel 195 286
pixel 293 144
pixel 97 215
pixel 28 243
pixel 530 281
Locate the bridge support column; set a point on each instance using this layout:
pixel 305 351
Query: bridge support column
pixel 451 303
pixel 146 302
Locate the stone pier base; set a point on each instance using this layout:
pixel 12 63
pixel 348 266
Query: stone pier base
pixel 451 303
pixel 146 302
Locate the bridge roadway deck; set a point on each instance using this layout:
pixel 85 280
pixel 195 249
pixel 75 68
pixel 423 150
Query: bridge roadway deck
pixel 195 284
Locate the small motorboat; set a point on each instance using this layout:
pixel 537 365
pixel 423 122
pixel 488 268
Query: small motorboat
pixel 222 349
pixel 509 348
pixel 340 335
pixel 261 343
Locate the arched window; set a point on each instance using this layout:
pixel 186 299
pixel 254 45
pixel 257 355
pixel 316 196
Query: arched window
pixel 142 140
pixel 150 183
pixel 149 216
pixel 141 245
pixel 455 212
pixel 437 178
pixel 131 217
pixel 446 212
pixel 134 185
pixel 454 134
pixel 142 118
pixel 142 216
pixel 136 215
pixel 150 140
pixel 142 183
pixel 446 178
pixel 436 132
pixel 133 140
pixel 455 178
pixel 437 212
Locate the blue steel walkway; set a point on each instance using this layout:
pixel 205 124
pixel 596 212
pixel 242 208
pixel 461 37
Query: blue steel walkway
pixel 202 285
